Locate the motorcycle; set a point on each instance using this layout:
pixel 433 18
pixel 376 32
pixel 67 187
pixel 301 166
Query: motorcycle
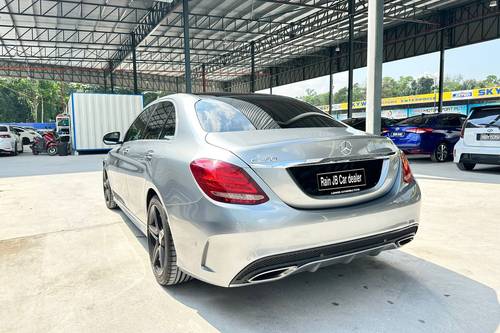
pixel 47 143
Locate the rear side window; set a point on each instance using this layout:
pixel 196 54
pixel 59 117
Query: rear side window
pixel 423 120
pixel 138 126
pixel 484 118
pixel 3 129
pixel 170 122
pixel 450 121
pixel 159 121
pixel 250 112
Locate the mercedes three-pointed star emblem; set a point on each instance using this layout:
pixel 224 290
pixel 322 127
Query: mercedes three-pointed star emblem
pixel 345 148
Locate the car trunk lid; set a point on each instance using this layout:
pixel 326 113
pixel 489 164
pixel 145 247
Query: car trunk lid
pixel 316 167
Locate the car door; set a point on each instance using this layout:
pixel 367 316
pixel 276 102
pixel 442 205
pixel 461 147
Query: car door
pixel 139 158
pixel 120 164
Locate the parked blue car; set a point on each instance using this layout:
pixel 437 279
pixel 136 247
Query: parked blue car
pixel 429 134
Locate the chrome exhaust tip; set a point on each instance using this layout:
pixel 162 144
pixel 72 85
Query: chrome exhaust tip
pixel 272 275
pixel 404 241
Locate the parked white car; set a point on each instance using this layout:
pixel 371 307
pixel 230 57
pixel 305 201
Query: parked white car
pixel 10 141
pixel 27 135
pixel 480 139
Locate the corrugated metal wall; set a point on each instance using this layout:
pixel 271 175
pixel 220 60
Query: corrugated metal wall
pixel 94 115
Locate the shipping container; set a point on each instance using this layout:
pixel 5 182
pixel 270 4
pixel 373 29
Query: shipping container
pixel 93 115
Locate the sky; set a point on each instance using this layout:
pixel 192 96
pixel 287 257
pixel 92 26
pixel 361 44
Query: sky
pixel 474 61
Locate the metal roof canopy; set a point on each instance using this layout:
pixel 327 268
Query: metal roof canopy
pixel 233 45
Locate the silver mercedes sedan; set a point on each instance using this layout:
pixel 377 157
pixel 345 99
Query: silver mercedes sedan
pixel 239 189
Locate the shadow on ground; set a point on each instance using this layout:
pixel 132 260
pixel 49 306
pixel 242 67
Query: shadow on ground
pixel 392 292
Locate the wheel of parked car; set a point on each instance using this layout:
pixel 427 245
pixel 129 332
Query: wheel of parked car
pixel 441 153
pixel 466 166
pixel 161 247
pixel 52 151
pixel 26 141
pixel 108 193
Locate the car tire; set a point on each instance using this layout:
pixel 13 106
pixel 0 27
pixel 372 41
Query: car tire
pixel 108 192
pixel 26 141
pixel 441 153
pixel 162 254
pixel 52 151
pixel 466 166
pixel 14 152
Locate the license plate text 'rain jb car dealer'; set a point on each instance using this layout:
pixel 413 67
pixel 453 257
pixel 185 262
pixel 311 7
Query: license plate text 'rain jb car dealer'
pixel 242 189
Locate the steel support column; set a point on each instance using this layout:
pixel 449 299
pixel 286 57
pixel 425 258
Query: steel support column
pixel 374 59
pixel 187 57
pixel 105 81
pixel 350 59
pixel 441 66
pixel 270 80
pixel 111 78
pixel 203 79
pixel 134 64
pixel 330 86
pixel 177 84
pixel 252 64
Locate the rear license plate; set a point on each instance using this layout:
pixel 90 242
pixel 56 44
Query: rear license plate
pixel 342 181
pixel 397 134
pixel 488 137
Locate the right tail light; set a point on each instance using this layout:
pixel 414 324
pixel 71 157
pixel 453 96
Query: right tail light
pixel 407 174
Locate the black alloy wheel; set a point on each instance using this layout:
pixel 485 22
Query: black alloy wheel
pixel 108 193
pixel 441 153
pixel 162 254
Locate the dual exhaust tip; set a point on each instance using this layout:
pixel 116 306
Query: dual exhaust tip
pixel 279 273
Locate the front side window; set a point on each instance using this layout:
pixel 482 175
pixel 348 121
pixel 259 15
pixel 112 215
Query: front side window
pixel 484 118
pixel 261 112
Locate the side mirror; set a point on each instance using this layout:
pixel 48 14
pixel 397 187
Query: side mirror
pixel 112 138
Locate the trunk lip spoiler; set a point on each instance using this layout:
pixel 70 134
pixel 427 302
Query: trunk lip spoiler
pixel 327 160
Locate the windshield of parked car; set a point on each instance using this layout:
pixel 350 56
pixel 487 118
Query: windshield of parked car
pixel 253 111
pixel 3 129
pixel 484 118
pixel 421 120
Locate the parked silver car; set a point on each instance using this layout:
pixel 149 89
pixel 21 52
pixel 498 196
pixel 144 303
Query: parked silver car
pixel 242 189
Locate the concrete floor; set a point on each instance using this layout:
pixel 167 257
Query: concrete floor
pixel 70 265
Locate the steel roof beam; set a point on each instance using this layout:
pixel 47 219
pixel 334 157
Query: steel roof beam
pixel 74 10
pixel 318 4
pixel 149 23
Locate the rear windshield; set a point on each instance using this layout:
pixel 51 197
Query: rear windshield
pixel 3 129
pixel 484 118
pixel 421 120
pixel 258 112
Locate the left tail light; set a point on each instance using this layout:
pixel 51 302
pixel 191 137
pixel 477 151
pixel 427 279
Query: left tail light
pixel 226 182
pixel 463 129
pixel 407 174
pixel 419 130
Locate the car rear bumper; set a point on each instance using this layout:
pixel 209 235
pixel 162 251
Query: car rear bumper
pixel 217 243
pixel 6 146
pixel 478 155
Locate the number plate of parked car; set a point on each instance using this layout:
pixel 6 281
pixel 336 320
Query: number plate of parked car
pixel 397 134
pixel 347 179
pixel 488 137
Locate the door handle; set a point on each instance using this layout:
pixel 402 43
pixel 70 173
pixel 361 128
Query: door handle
pixel 125 151
pixel 149 155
